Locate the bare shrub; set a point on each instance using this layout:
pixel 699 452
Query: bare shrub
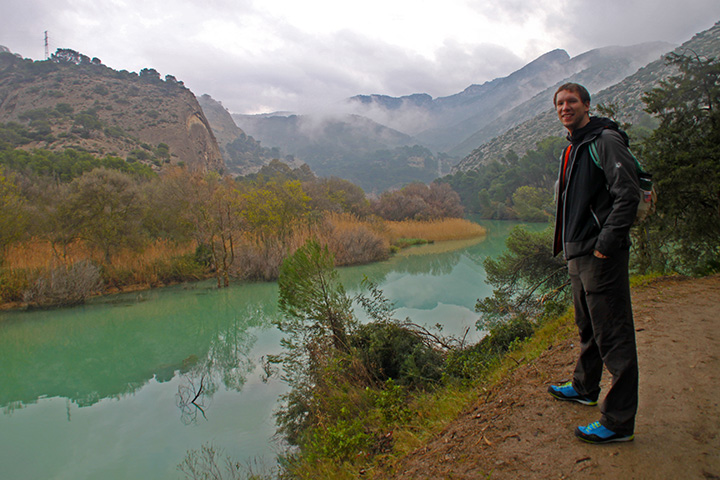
pixel 65 285
pixel 418 201
pixel 357 246
pixel 259 262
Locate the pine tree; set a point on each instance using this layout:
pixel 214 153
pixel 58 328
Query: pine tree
pixel 683 154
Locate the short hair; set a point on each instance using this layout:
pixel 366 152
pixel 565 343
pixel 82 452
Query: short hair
pixel 575 88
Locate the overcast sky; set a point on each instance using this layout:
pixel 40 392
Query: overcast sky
pixel 267 55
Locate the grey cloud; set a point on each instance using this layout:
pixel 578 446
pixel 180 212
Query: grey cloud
pixel 309 72
pixel 590 24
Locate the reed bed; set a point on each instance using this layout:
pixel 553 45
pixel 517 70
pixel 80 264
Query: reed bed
pixel 36 253
pixel 434 230
pixel 352 241
pixel 156 264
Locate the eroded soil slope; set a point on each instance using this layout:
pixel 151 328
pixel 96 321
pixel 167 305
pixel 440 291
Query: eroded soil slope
pixel 518 431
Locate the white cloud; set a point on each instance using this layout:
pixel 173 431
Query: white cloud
pixel 255 55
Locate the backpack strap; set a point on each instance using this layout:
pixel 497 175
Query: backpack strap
pixel 592 148
pixel 647 188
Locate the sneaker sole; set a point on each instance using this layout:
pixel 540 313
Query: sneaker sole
pixel 558 396
pixel 595 440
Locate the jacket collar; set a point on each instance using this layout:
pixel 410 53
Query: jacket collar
pixel 593 128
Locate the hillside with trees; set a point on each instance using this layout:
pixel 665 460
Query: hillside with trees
pixel 74 224
pixel 73 101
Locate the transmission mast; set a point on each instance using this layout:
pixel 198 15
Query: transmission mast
pixel 47 51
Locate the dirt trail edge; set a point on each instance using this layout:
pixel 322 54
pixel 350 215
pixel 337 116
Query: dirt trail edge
pixel 518 431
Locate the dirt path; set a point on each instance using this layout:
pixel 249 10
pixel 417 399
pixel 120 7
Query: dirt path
pixel 518 431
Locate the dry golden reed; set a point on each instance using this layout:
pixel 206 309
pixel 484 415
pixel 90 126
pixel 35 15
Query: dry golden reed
pixel 34 254
pixel 434 230
pixel 351 239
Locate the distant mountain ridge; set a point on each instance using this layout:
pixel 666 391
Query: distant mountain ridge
pixel 450 128
pixel 455 125
pixel 459 123
pixel 242 154
pixel 625 96
pixel 352 147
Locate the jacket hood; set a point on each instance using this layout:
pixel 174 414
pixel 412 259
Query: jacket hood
pixel 593 128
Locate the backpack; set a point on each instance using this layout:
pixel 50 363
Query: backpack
pixel 648 194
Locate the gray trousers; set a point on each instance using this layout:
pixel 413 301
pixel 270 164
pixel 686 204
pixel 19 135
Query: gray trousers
pixel 603 314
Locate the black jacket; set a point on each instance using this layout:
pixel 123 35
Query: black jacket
pixel 596 203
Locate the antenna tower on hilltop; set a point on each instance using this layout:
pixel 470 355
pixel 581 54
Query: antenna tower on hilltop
pixel 47 51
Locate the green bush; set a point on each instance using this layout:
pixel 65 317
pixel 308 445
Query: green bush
pixel 180 269
pixel 341 440
pixel 13 284
pixel 470 362
pixel 391 351
pixel 391 403
pixel 203 255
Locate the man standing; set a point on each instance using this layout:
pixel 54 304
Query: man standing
pixel 597 200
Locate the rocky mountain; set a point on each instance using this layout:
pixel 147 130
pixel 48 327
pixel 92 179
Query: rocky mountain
pixel 315 138
pixel 625 96
pixel 459 123
pixel 73 101
pixel 352 147
pixel 242 153
pixel 366 142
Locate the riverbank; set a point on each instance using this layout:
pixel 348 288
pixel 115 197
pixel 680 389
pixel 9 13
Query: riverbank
pixel 129 356
pixel 163 263
pixel 515 430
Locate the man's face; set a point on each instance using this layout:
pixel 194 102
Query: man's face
pixel 573 113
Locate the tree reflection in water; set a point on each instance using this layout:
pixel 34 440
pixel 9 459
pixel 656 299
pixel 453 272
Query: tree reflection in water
pixel 228 362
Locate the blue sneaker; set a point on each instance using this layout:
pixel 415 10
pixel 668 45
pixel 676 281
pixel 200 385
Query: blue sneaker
pixel 567 392
pixel 597 434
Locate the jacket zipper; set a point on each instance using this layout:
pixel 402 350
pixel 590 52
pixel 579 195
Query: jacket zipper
pixel 597 221
pixel 567 187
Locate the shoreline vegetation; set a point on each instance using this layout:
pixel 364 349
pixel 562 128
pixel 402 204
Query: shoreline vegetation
pixel 164 262
pixel 363 395
pixel 73 226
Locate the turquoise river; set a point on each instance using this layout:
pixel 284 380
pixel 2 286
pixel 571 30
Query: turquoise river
pixel 106 390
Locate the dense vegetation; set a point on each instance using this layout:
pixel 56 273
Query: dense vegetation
pixel 684 155
pixel 353 385
pixel 517 188
pixel 129 225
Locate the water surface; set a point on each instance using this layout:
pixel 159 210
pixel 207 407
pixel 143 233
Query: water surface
pixel 105 390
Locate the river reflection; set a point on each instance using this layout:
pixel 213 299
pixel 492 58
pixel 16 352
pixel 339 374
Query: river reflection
pixel 112 347
pixel 123 386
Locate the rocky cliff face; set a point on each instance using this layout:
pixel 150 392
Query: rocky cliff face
pixel 81 104
pixel 242 154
